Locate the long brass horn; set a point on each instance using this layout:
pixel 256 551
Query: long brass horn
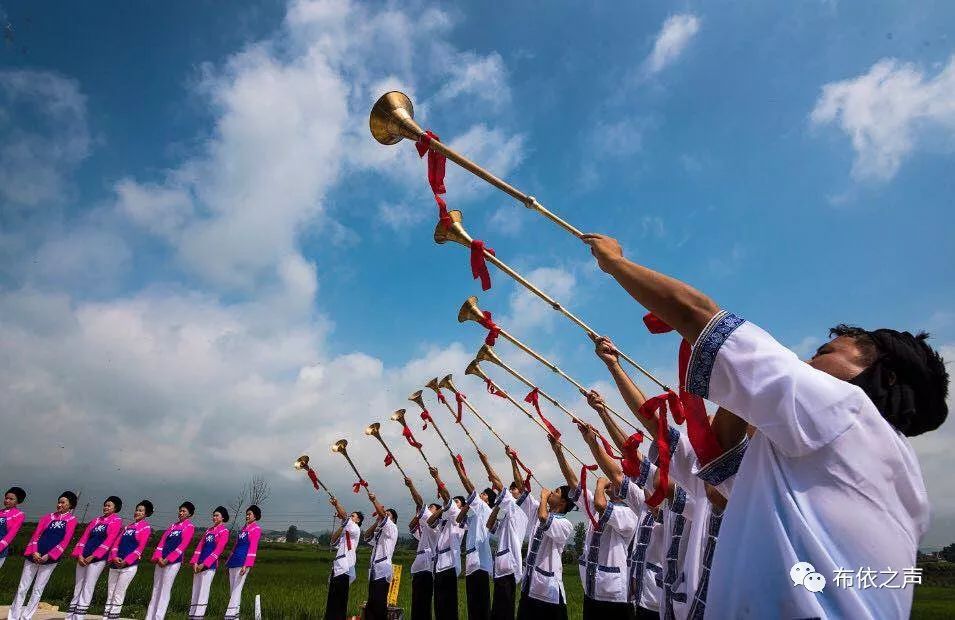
pixel 399 417
pixel 374 430
pixel 470 311
pixel 301 463
pixel 455 232
pixel 340 447
pixel 392 118
pixel 474 368
pixel 418 398
pixel 435 386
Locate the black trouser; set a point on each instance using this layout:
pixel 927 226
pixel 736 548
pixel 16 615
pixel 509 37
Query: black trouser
pixel 336 607
pixel 478 588
pixel 422 591
pixel 646 614
pixel 446 595
pixel 606 610
pixel 377 606
pixel 534 609
pixel 502 607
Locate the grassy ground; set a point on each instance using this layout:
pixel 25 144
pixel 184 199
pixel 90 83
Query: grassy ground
pixel 291 580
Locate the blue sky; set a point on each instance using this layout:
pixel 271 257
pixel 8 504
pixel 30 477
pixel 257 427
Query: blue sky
pixel 208 266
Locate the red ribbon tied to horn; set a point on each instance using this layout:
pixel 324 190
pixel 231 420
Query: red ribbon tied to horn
pixel 657 406
pixel 436 169
pixel 492 329
pixel 358 485
pixel 479 263
pixel 460 461
pixel 492 389
pixel 527 470
pixel 427 418
pixel 583 491
pixel 534 398
pixel 409 436
pixel 389 459
pixel 459 398
pixel 313 477
pixel 692 409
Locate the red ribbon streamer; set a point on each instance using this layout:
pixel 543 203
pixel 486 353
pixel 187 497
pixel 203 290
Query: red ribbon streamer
pixel 631 455
pixel 534 398
pixel 436 169
pixel 492 389
pixel 459 398
pixel 358 485
pixel 409 437
pixel 427 418
pixel 314 478
pixel 692 409
pixel 527 470
pixel 479 264
pixel 348 537
pixel 657 406
pixel 389 459
pixel 441 398
pixel 492 329
pixel 460 461
pixel 583 491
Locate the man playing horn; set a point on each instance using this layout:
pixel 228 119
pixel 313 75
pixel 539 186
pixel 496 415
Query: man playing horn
pixel 509 523
pixel 829 464
pixel 345 540
pixel 477 545
pixel 542 588
pixel 383 535
pixel 447 556
pixel 422 575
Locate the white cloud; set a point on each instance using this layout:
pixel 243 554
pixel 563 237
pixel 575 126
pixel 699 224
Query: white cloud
pixel 34 165
pixel 887 112
pixel 483 77
pixel 492 149
pixel 671 41
pixel 617 138
pixel 653 226
pixel 526 311
pixel 401 216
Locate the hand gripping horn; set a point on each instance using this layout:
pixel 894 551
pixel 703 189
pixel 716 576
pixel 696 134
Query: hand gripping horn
pixel 301 463
pixel 474 368
pixel 374 429
pixel 435 386
pixel 418 398
pixel 470 311
pixel 392 118
pixel 340 447
pixel 399 417
pixel 455 232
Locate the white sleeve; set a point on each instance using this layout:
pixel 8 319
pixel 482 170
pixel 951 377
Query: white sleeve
pixel 621 519
pixel 558 530
pixel 742 368
pixel 529 504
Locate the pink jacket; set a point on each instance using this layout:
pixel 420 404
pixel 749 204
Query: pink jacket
pixel 13 519
pixel 113 524
pixel 49 523
pixel 140 530
pixel 211 546
pixel 184 531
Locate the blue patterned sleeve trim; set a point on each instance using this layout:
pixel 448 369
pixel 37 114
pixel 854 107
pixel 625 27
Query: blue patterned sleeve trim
pixel 725 465
pixel 704 351
pixel 673 439
pixel 546 524
pixel 520 500
pixel 625 485
pixel 644 473
pixel 679 500
pixel 470 498
pixel 574 493
pixel 608 511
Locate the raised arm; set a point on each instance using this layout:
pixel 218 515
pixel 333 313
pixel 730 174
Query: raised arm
pixel 515 468
pixel 442 488
pixel 415 496
pixel 607 465
pixel 600 495
pixel 678 304
pixel 459 467
pixel 542 511
pixel 597 403
pixel 729 428
pixel 569 474
pixel 492 476
pixel 379 509
pixel 370 530
pixel 632 395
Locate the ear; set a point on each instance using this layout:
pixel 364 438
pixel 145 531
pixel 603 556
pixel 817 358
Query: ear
pixel 892 377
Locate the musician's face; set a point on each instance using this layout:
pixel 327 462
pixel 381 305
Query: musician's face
pixel 515 492
pixel 484 497
pixel 354 517
pixel 840 357
pixel 217 518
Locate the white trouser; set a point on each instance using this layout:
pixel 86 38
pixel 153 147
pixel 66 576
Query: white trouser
pixel 41 573
pixel 2 560
pixel 86 577
pixel 163 577
pixel 201 582
pixel 116 584
pixel 236 581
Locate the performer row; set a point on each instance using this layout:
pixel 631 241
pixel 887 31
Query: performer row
pixel 107 543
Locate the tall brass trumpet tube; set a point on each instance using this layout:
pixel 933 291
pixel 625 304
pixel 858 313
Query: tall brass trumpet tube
pixel 374 429
pixel 399 417
pixel 474 368
pixel 340 447
pixel 392 118
pixel 435 386
pixel 470 311
pixel 456 233
pixel 301 464
pixel 418 399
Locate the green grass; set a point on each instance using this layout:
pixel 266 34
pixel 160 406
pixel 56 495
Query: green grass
pixel 292 581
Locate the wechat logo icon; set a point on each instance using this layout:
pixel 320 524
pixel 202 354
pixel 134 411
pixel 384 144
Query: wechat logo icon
pixel 804 574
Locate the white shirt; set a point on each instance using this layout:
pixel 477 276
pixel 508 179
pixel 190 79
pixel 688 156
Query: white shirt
pixel 605 562
pixel 448 540
pixel 825 480
pixel 477 544
pixel 347 546
pixel 509 527
pixel 544 577
pixel 424 559
pixel 646 558
pixel 529 505
pixel 383 543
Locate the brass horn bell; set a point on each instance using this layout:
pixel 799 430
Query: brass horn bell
pixel 433 385
pixel 474 368
pixel 418 399
pixel 487 354
pixel 392 118
pixel 340 445
pixel 447 384
pixel 399 416
pixel 301 462
pixel 470 311
pixel 373 429
pixel 455 232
